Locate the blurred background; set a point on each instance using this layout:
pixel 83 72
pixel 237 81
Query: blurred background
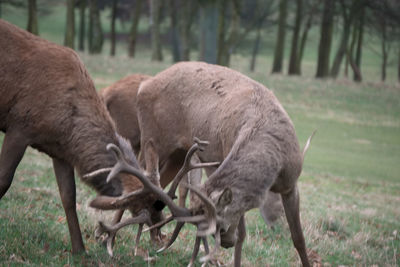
pixel 353 39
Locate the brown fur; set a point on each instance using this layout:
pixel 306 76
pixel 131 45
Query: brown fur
pixel 248 130
pixel 49 102
pixel 120 100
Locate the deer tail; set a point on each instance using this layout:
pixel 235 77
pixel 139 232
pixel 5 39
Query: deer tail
pixel 308 143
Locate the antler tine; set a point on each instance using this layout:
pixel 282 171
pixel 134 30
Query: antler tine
pixel 138 235
pixel 195 251
pixel 121 202
pixel 159 224
pixel 177 229
pixel 96 172
pixel 188 166
pixel 210 211
pixel 111 231
pixel 121 162
pixel 123 166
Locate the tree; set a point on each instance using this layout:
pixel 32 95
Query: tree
pixel 69 38
pixel 175 43
pixel 255 48
pixel 135 23
pixel 32 26
pixel 185 22
pixel 312 11
pixel 208 30
pixel 360 25
pixel 398 66
pixel 227 37
pixel 350 56
pixel 156 52
pixel 95 30
pixel 113 17
pixel 385 21
pixel 350 11
pixel 82 24
pixel 324 48
pixel 280 40
pixel 293 63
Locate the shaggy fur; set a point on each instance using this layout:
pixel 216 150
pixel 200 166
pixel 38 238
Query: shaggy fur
pixel 49 102
pixel 248 130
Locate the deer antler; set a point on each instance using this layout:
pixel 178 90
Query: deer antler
pixel 188 166
pixel 111 231
pixel 182 215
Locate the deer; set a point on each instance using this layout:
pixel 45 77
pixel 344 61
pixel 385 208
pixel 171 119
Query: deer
pixel 49 102
pixel 248 132
pixel 120 100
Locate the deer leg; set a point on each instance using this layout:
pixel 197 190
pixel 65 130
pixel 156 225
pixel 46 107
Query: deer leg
pixel 239 242
pixel 12 151
pixel 66 186
pixel 292 210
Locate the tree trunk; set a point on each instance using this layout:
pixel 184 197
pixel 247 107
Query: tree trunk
pixel 232 37
pixel 175 44
pixel 384 51
pixel 69 39
pixel 305 35
pixel 346 66
pixel 359 42
pixel 221 31
pixel 350 53
pixel 341 50
pixel 82 24
pixel 398 67
pixel 113 34
pixel 156 54
pixel 325 42
pixel 208 25
pixel 348 18
pixel 95 30
pixel 280 40
pixel 134 27
pixel 185 23
pixel 32 18
pixel 255 49
pixel 293 64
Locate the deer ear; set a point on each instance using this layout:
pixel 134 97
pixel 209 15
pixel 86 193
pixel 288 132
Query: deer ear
pixel 225 198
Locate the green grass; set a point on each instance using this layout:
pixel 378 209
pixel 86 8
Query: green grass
pixel 350 186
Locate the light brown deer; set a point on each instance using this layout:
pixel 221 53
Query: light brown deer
pixel 120 100
pixel 49 102
pixel 248 131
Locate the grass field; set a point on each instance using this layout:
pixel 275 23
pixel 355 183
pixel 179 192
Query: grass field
pixel 350 186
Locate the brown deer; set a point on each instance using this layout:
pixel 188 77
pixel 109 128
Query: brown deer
pixel 49 102
pixel 120 100
pixel 248 131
